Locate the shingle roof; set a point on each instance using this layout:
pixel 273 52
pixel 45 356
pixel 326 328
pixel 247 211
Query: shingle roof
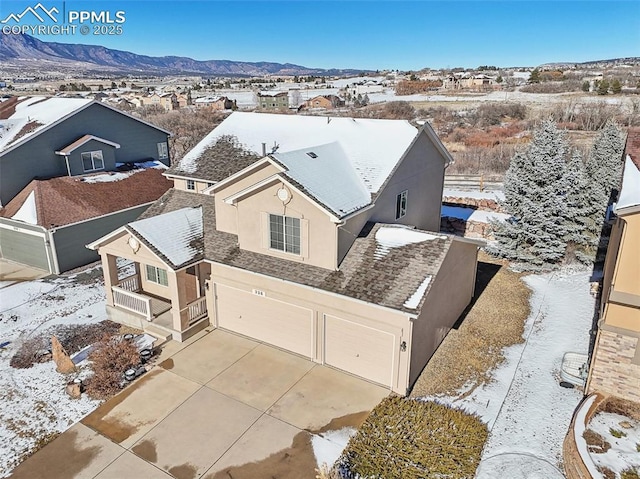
pixel 632 147
pixel 176 236
pixel 218 161
pixel 327 175
pixel 68 199
pixel 382 267
pixel 374 147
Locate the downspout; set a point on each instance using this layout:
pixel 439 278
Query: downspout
pixel 54 252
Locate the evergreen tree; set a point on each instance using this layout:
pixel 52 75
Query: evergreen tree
pixel 616 87
pixel 583 217
pixel 604 163
pixel 535 76
pixel 603 87
pixel 535 190
pixel 585 86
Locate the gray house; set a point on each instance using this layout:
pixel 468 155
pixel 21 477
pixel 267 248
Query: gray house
pixel 70 171
pixel 48 137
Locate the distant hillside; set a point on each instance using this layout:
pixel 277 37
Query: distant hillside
pixel 16 50
pixel 631 61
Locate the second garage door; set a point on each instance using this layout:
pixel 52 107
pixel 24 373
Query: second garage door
pixel 265 319
pixel 24 248
pixel 360 350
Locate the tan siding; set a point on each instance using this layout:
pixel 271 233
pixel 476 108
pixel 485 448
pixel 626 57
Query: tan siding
pixel 450 293
pixel 318 247
pixel 422 174
pixel 627 275
pixel 226 215
pixel 620 316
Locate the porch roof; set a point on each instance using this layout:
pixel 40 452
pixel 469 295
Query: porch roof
pixel 387 265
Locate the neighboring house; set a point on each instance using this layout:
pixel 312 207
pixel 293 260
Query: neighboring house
pixel 327 102
pixel 273 100
pixel 183 99
pixel 615 364
pixel 48 137
pixel 168 101
pixel 215 103
pixel 43 138
pixel 50 221
pixel 301 232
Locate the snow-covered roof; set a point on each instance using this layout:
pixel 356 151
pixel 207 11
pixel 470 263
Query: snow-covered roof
pixel 327 174
pixel 177 236
pixel 373 147
pixel 28 211
pixel 629 196
pixel 35 114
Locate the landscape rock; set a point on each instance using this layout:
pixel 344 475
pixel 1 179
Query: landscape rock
pixel 64 364
pixel 74 390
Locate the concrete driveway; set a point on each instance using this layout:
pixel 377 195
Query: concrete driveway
pixel 218 406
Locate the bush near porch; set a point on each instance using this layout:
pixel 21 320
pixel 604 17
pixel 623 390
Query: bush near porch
pixel 412 439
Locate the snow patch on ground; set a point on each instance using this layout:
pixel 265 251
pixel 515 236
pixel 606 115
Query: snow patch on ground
pixel 328 446
pixel 388 237
pixel 476 195
pixel 623 452
pixel 471 214
pixel 34 403
pixel 526 410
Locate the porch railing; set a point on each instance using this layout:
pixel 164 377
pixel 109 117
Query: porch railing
pixel 131 301
pixel 130 283
pixel 196 310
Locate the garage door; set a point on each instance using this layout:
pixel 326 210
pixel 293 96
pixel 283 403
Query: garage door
pixel 360 350
pixel 23 248
pixel 271 321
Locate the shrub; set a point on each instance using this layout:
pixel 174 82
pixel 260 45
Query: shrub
pixel 111 358
pixel 595 442
pixel 630 473
pixel 411 439
pixel 617 433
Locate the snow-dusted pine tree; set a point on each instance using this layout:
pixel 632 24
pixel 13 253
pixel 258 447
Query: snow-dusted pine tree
pixel 583 221
pixel 535 190
pixel 604 163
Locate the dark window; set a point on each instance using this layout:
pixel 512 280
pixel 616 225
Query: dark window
pixel 401 204
pixel 284 233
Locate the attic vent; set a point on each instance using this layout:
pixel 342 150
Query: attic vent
pixel 312 154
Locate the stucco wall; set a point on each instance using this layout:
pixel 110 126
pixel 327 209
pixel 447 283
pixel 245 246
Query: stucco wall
pixel 318 236
pixel 422 174
pixel 626 278
pixel 450 293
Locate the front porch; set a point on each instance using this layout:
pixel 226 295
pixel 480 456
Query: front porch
pixel 175 312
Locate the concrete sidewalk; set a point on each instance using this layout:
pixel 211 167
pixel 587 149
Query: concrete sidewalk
pixel 218 406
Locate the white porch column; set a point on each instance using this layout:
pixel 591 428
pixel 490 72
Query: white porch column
pixel 110 272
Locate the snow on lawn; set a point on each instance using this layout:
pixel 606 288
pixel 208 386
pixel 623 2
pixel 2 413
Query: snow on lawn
pixel 526 410
pixel 624 452
pixel 476 195
pixel 34 404
pixel 472 214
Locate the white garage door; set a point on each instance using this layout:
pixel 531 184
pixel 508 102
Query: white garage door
pixel 360 350
pixel 271 321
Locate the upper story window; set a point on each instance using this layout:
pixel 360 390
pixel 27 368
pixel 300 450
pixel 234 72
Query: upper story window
pixel 163 151
pixel 92 160
pixel 157 275
pixel 284 233
pixel 401 204
pixel 191 185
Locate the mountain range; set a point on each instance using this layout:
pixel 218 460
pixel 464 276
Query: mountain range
pixel 24 53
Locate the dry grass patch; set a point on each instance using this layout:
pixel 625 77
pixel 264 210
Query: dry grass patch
pixel 409 439
pixel 494 321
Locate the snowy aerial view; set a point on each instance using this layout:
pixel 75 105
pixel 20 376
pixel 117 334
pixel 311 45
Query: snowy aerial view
pixel 319 240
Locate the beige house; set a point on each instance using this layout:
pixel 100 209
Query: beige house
pixel 615 364
pixel 168 101
pixel 326 102
pixel 215 103
pixel 318 236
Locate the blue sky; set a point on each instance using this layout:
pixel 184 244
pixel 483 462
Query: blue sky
pixel 405 35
